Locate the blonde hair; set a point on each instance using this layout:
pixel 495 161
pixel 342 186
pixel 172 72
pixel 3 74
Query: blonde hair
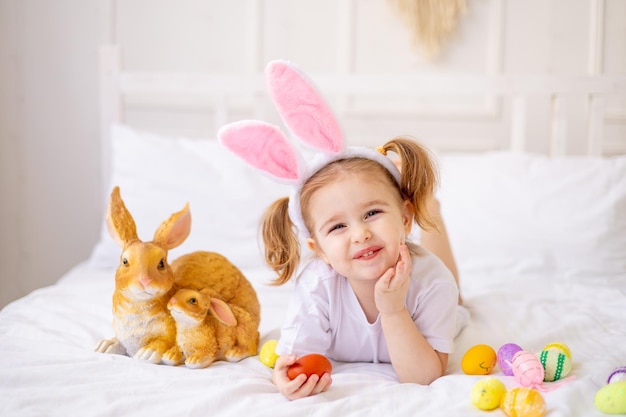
pixel 418 179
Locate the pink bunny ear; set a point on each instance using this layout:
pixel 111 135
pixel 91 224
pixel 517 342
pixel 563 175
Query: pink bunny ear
pixel 263 146
pixel 302 108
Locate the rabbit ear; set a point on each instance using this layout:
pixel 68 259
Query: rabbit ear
pixel 173 231
pixel 263 146
pixel 302 108
pixel 119 221
pixel 220 309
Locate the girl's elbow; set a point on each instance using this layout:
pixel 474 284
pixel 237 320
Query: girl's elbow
pixel 427 373
pixel 420 379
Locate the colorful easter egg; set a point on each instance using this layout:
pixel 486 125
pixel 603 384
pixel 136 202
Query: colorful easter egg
pixel 523 402
pixel 505 353
pixel 267 354
pixel 310 364
pixel 479 360
pixel 559 346
pixel 556 364
pixel 527 369
pixel 487 393
pixel 618 374
pixel 611 398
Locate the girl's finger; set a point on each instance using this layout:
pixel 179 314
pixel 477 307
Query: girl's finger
pixel 385 280
pixel 404 253
pixel 399 277
pixel 295 388
pixel 404 264
pixel 323 384
pixel 282 363
pixel 308 386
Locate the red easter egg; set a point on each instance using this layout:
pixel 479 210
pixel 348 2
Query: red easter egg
pixel 310 364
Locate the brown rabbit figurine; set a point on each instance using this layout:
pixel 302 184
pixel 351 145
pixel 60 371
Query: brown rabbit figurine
pixel 206 329
pixel 145 283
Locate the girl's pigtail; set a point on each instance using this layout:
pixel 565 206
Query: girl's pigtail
pixel 418 177
pixel 282 248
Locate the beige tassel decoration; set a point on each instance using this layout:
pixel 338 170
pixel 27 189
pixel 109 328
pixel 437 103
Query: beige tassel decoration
pixel 430 21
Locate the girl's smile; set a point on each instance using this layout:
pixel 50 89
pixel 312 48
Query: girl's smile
pixel 368 253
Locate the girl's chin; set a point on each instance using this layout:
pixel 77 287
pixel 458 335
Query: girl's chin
pixel 372 274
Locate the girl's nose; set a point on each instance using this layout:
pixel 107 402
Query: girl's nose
pixel 361 233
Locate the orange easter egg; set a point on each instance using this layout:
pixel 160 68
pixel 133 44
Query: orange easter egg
pixel 479 360
pixel 523 402
pixel 310 364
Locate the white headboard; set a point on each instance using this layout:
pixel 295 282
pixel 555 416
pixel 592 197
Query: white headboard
pixel 371 104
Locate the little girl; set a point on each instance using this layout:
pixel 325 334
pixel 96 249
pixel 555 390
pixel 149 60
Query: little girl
pixel 369 294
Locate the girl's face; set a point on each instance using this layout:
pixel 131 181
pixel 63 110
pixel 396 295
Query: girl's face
pixel 358 223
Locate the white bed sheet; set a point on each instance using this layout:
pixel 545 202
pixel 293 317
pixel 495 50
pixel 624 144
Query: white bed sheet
pixel 48 366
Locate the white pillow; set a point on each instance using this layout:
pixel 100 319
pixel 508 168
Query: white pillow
pixel 520 212
pixel 157 175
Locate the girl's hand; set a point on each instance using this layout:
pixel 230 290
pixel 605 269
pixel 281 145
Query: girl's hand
pixel 391 289
pixel 300 386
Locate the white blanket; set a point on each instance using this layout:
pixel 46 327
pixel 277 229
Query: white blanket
pixel 48 366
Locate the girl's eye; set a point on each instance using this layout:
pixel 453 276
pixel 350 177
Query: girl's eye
pixel 372 213
pixel 336 227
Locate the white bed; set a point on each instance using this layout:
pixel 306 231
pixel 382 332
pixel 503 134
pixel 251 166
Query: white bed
pixel 540 242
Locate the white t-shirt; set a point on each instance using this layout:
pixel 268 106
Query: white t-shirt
pixel 325 316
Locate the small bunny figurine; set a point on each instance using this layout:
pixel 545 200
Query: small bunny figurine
pixel 230 298
pixel 145 283
pixel 206 330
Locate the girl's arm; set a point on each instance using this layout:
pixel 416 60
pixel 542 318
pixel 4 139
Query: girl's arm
pixel 304 330
pixel 412 357
pixel 437 241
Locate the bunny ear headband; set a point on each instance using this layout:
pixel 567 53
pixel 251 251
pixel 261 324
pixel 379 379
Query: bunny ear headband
pixel 309 118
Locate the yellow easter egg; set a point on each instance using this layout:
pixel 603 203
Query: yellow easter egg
pixel 523 402
pixel 267 354
pixel 487 393
pixel 561 347
pixel 611 398
pixel 479 360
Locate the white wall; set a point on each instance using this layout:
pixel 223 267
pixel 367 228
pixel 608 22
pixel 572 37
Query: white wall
pixel 49 144
pixel 49 157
